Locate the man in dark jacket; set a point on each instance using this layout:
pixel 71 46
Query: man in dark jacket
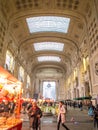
pixel 36 114
pixel 96 117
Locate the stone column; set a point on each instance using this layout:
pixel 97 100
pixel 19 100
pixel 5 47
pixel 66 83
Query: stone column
pixel 25 84
pixel 56 89
pixel 37 85
pixel 32 86
pixel 41 87
pixel 16 68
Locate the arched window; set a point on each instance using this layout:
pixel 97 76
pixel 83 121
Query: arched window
pixel 21 74
pixel 9 62
pixel 28 81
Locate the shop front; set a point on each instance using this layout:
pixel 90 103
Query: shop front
pixel 10 93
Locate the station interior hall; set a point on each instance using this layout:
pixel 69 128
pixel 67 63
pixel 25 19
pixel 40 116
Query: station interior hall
pixel 51 48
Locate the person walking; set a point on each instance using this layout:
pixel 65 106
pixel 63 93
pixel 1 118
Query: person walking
pixel 74 104
pixel 81 106
pixel 96 117
pixel 61 116
pixel 36 114
pixel 91 109
pixel 29 111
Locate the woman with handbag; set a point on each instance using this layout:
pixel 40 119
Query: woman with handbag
pixel 61 116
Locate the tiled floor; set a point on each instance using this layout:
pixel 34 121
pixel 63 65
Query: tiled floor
pixel 76 120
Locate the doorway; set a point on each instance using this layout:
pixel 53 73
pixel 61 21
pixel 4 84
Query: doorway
pixel 49 90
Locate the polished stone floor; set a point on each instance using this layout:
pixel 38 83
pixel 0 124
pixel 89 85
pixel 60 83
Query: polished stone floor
pixel 75 120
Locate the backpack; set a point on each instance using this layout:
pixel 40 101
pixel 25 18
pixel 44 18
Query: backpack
pixel 91 111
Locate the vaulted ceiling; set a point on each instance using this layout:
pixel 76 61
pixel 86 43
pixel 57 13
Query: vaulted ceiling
pixel 19 10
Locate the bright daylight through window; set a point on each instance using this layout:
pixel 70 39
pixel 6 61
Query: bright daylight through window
pixel 44 46
pixel 48 24
pixel 49 90
pixel 49 58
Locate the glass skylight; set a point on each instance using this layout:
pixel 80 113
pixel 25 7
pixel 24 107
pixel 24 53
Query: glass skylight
pixel 49 58
pixel 44 46
pixel 48 24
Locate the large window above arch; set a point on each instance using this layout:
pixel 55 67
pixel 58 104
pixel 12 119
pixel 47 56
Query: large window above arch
pixel 28 81
pixel 49 58
pixel 9 61
pixel 48 46
pixel 21 74
pixel 49 90
pixel 48 24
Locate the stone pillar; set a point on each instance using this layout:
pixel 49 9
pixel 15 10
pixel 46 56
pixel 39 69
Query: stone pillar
pixel 41 87
pixel 32 86
pixel 61 89
pixel 25 84
pixel 16 68
pixel 57 88
pixel 3 33
pixel 37 85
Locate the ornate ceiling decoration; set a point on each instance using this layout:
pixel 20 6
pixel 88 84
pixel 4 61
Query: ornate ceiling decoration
pixel 20 10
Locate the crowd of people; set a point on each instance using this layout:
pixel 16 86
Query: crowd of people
pixel 35 112
pixel 7 108
pixel 92 110
pixel 93 113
